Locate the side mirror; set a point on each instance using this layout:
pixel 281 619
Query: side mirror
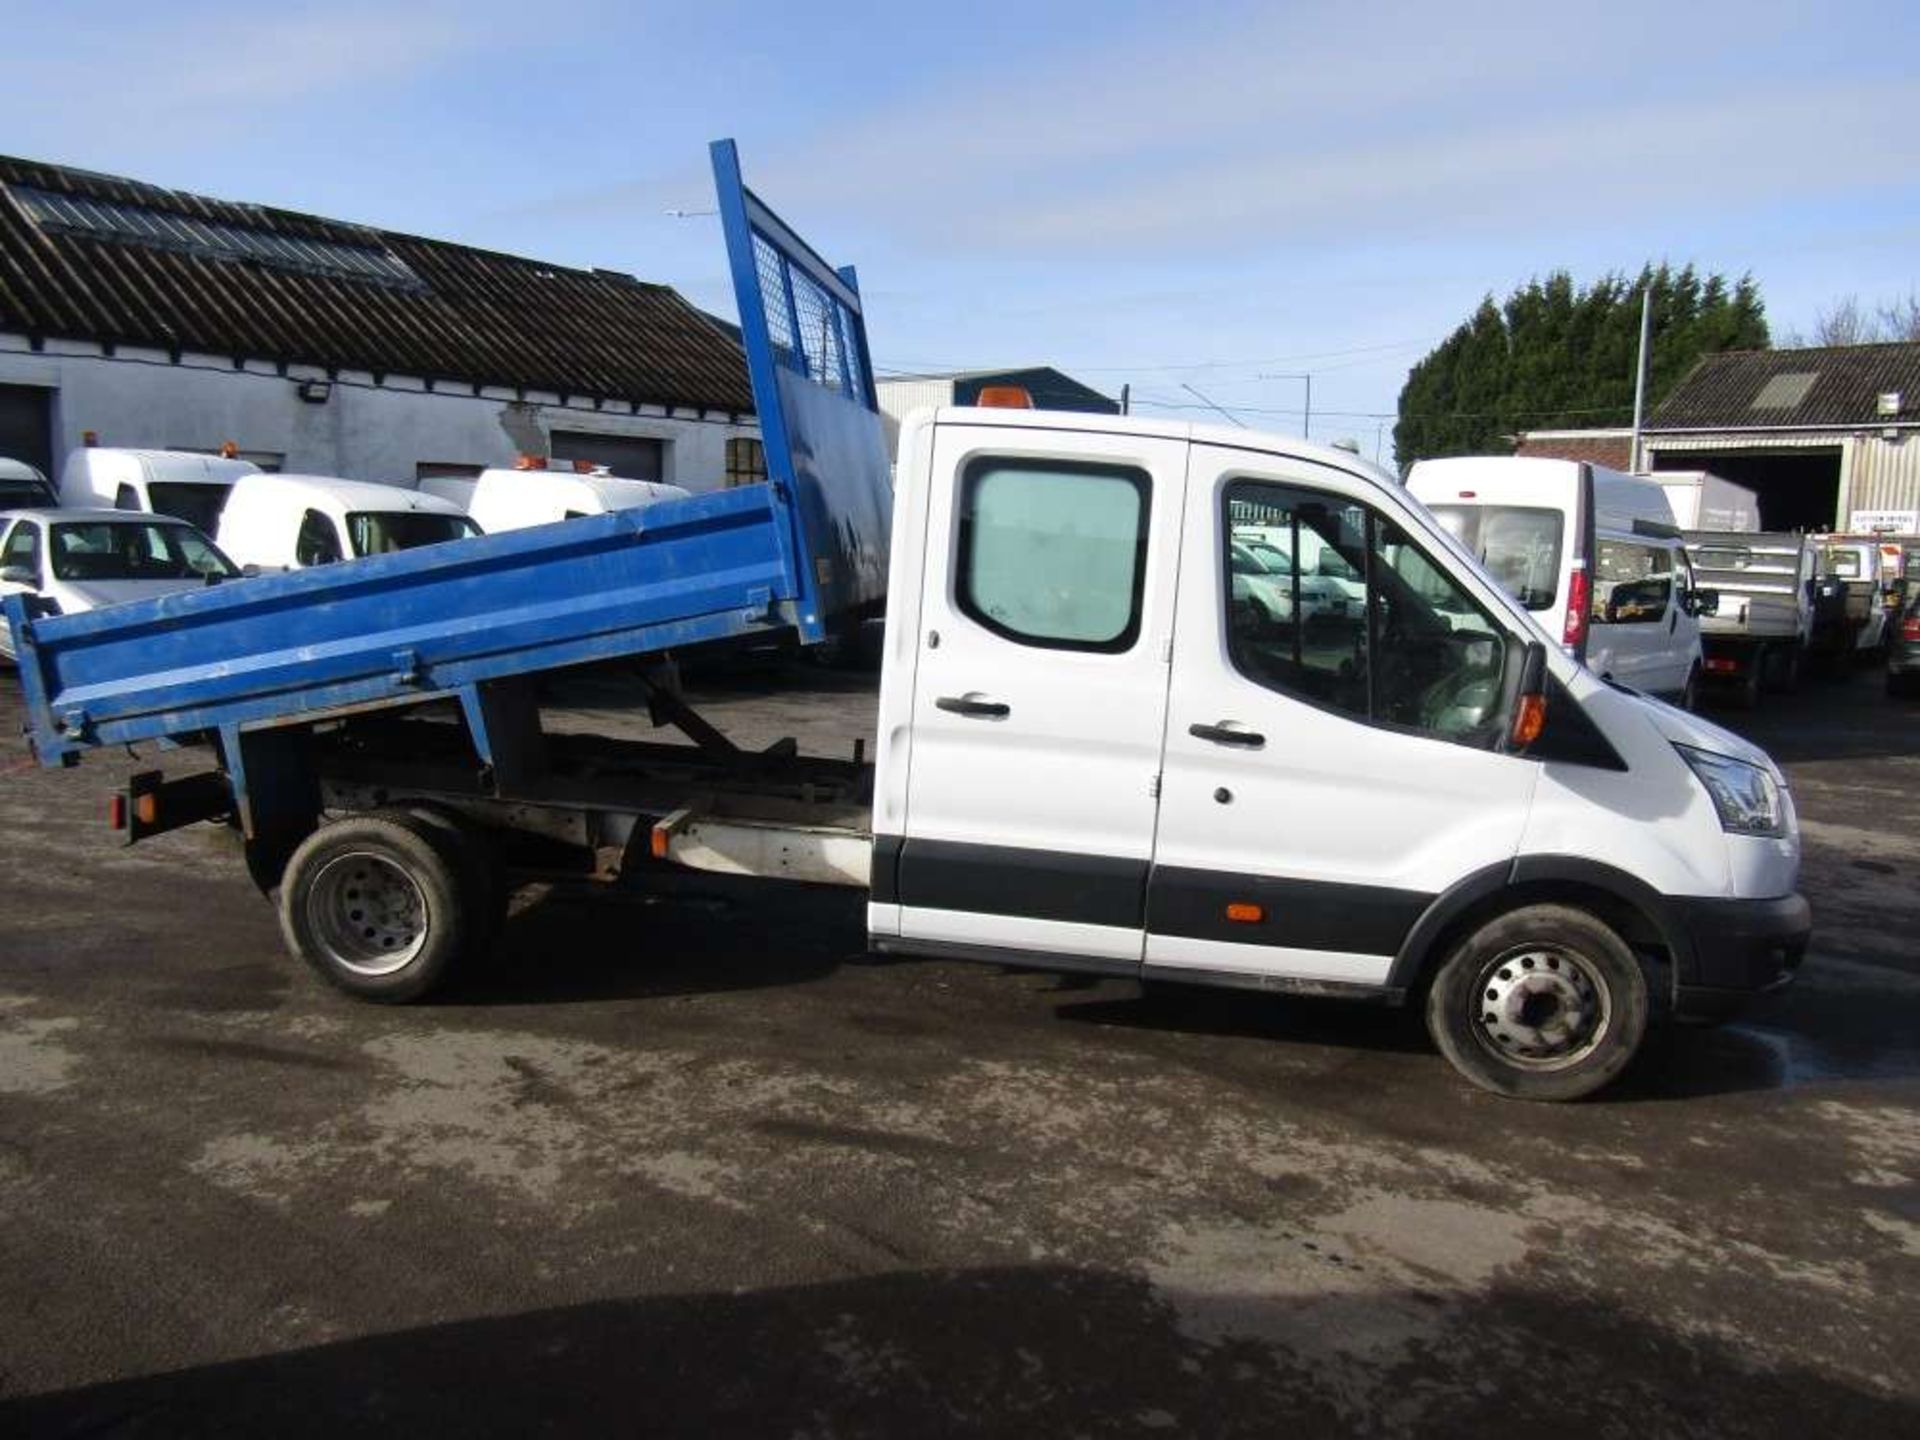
pixel 1526 699
pixel 250 571
pixel 1703 602
pixel 20 575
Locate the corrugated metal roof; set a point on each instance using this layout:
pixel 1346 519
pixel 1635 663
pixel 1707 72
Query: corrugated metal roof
pixel 95 257
pixel 1831 385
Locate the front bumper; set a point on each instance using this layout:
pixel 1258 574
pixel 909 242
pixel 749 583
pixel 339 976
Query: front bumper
pixel 1741 949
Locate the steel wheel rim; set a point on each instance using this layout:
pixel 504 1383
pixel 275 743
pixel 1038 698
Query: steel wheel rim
pixel 367 913
pixel 1541 1007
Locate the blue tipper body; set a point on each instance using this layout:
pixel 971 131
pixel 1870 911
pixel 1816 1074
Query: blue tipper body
pixel 795 554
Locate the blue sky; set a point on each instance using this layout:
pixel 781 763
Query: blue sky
pixel 1205 196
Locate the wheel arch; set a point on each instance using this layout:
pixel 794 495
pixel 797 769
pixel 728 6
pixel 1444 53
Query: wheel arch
pixel 1630 907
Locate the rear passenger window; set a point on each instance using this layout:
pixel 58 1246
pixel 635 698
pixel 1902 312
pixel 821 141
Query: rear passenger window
pixel 1053 554
pixel 1632 584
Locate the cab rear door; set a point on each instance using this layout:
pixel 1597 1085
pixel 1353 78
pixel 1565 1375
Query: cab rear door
pixel 1039 695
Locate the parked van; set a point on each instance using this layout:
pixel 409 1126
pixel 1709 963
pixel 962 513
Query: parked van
pixel 290 522
pixel 24 488
pixel 515 499
pixel 1592 552
pixel 179 483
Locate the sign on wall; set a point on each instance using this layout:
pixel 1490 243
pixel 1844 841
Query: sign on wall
pixel 1885 522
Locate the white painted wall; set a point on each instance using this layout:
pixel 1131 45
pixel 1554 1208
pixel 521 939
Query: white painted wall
pixel 362 431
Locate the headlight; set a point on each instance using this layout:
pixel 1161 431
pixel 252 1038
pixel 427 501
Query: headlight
pixel 1746 797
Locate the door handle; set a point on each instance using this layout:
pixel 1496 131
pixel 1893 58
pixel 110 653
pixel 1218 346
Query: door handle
pixel 1224 734
pixel 973 706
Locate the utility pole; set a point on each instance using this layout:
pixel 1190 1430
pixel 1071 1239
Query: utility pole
pixel 1306 410
pixel 1640 375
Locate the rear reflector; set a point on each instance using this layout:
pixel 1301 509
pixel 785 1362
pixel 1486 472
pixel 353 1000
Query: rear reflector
pixel 1910 628
pixel 117 812
pixel 1720 665
pixel 1243 913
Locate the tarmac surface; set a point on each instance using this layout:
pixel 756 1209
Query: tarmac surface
pixel 693 1162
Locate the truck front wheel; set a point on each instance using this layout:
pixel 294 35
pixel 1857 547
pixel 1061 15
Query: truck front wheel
pixel 378 904
pixel 1542 1003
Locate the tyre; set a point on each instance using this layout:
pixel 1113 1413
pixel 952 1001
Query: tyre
pixel 378 904
pixel 489 888
pixel 1542 1003
pixel 1903 683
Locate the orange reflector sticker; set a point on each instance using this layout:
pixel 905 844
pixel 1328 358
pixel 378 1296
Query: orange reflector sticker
pixel 1246 914
pixel 658 843
pixel 1529 719
pixel 146 809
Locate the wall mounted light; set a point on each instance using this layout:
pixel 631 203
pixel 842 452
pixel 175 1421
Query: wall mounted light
pixel 315 392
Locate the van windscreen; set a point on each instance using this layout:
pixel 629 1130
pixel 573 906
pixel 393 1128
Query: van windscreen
pixel 24 495
pixel 1519 545
pixel 198 505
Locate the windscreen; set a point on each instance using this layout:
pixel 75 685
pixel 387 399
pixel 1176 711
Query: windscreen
pixel 385 532
pixel 1519 545
pixel 130 550
pixel 1844 563
pixel 198 505
pixel 24 495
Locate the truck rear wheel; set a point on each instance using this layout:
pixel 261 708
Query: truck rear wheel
pixel 378 904
pixel 1542 1003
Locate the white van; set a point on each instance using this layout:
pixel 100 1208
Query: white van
pixel 515 499
pixel 1594 553
pixel 179 483
pixel 290 522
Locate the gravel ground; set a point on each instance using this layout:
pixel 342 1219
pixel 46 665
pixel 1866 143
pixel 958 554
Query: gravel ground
pixel 691 1161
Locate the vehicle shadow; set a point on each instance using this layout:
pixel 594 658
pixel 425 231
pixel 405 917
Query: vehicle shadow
pixel 575 943
pixel 1042 1350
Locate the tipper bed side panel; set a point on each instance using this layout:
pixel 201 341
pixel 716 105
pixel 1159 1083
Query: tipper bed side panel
pixel 405 625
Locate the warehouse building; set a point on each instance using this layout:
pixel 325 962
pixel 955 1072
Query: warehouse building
pixel 1828 437
pixel 149 317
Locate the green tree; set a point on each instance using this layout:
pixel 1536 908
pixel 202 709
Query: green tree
pixel 1553 355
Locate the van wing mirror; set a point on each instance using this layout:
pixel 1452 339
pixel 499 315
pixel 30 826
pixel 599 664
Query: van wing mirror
pixel 1526 698
pixel 20 575
pixel 1703 602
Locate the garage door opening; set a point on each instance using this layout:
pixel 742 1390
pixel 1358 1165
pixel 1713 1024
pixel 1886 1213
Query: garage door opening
pixel 635 457
pixel 1798 489
pixel 26 429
